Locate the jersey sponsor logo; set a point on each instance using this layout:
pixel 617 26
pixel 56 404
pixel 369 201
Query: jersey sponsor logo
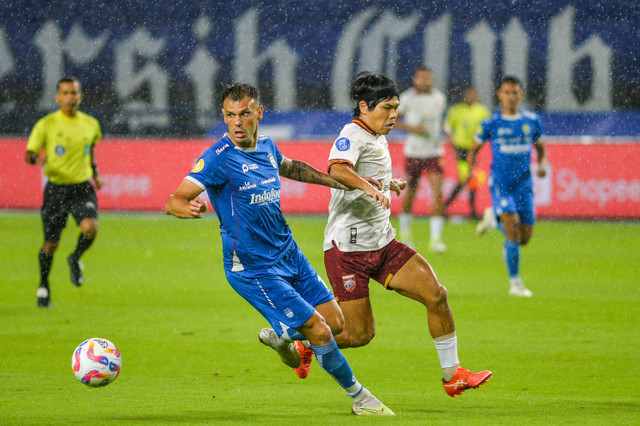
pixel 266 197
pixel 247 185
pixel 199 166
pixel 504 131
pixel 266 181
pixel 222 148
pixel 349 282
pixel 60 150
pixel 273 161
pixel 343 144
pixel 247 167
pixel 514 148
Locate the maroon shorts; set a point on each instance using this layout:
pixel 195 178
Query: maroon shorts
pixel 349 272
pixel 415 167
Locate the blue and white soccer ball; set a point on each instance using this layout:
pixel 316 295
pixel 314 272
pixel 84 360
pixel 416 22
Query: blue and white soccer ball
pixel 96 362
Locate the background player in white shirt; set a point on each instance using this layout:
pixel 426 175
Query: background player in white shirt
pixel 360 242
pixel 422 109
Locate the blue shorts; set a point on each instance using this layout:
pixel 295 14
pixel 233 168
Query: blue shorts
pixel 286 293
pixel 514 199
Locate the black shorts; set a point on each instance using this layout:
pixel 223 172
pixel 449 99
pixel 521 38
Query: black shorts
pixel 59 200
pixel 461 153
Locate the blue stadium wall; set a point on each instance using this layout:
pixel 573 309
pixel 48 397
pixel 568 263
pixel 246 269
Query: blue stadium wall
pixel 157 67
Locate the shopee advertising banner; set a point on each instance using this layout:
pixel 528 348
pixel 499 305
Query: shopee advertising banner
pixel 598 180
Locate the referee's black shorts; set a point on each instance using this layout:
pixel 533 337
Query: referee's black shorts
pixel 59 200
pixel 461 153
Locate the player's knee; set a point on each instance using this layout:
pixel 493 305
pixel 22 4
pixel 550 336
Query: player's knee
pixel 317 331
pixel 436 297
pixel 49 248
pixel 361 339
pixel 355 337
pixel 441 294
pixel 335 322
pixel 90 229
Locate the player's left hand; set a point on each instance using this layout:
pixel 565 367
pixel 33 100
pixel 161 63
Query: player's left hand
pixel 397 185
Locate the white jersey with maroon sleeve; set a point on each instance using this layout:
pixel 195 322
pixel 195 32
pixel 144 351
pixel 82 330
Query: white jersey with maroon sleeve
pixel 356 222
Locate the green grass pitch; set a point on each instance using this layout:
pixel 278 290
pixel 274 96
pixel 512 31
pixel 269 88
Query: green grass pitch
pixel 154 286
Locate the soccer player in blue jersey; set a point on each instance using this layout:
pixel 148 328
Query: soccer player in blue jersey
pixel 511 132
pixel 241 174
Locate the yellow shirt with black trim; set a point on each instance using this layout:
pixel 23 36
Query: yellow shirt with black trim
pixel 463 120
pixel 67 143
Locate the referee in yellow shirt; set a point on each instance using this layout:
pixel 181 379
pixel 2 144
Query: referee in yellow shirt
pixel 67 138
pixel 460 125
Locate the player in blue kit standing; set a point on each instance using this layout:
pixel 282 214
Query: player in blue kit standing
pixel 241 174
pixel 511 132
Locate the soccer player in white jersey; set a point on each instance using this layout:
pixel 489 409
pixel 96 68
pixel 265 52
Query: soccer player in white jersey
pixel 511 132
pixel 359 241
pixel 241 174
pixel 422 110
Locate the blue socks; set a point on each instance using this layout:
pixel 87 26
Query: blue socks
pixel 333 362
pixel 512 257
pixel 291 334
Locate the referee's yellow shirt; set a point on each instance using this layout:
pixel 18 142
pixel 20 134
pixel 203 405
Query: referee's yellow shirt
pixel 463 120
pixel 67 143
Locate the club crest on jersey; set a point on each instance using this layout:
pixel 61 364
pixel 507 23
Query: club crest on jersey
pixel 349 282
pixel 273 161
pixel 199 166
pixel 343 144
pixel 60 150
pixel 526 129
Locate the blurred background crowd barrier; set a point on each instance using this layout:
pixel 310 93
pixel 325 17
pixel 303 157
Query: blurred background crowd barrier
pixel 152 72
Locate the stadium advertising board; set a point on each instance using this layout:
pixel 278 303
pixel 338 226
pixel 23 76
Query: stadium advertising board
pixel 593 180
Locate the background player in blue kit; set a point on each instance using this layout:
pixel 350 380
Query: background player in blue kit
pixel 241 174
pixel 511 132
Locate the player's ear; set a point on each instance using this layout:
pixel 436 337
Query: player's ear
pixel 364 108
pixel 260 111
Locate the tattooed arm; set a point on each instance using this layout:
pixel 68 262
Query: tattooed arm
pixel 303 172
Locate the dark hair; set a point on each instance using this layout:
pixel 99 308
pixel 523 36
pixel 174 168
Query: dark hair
pixel 238 91
pixel 371 88
pixel 510 79
pixel 69 79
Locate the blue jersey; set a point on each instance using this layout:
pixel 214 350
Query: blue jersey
pixel 511 139
pixel 244 189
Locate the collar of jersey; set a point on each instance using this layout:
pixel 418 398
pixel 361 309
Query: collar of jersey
pixel 362 124
pixel 514 117
pixel 66 117
pixel 255 148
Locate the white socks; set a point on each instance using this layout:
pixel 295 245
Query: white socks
pixel 405 224
pixel 436 224
pixel 447 347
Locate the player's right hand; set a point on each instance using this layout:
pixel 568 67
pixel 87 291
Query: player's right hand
pixel 197 207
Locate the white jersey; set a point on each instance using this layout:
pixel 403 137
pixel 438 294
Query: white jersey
pixel 423 109
pixel 356 222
